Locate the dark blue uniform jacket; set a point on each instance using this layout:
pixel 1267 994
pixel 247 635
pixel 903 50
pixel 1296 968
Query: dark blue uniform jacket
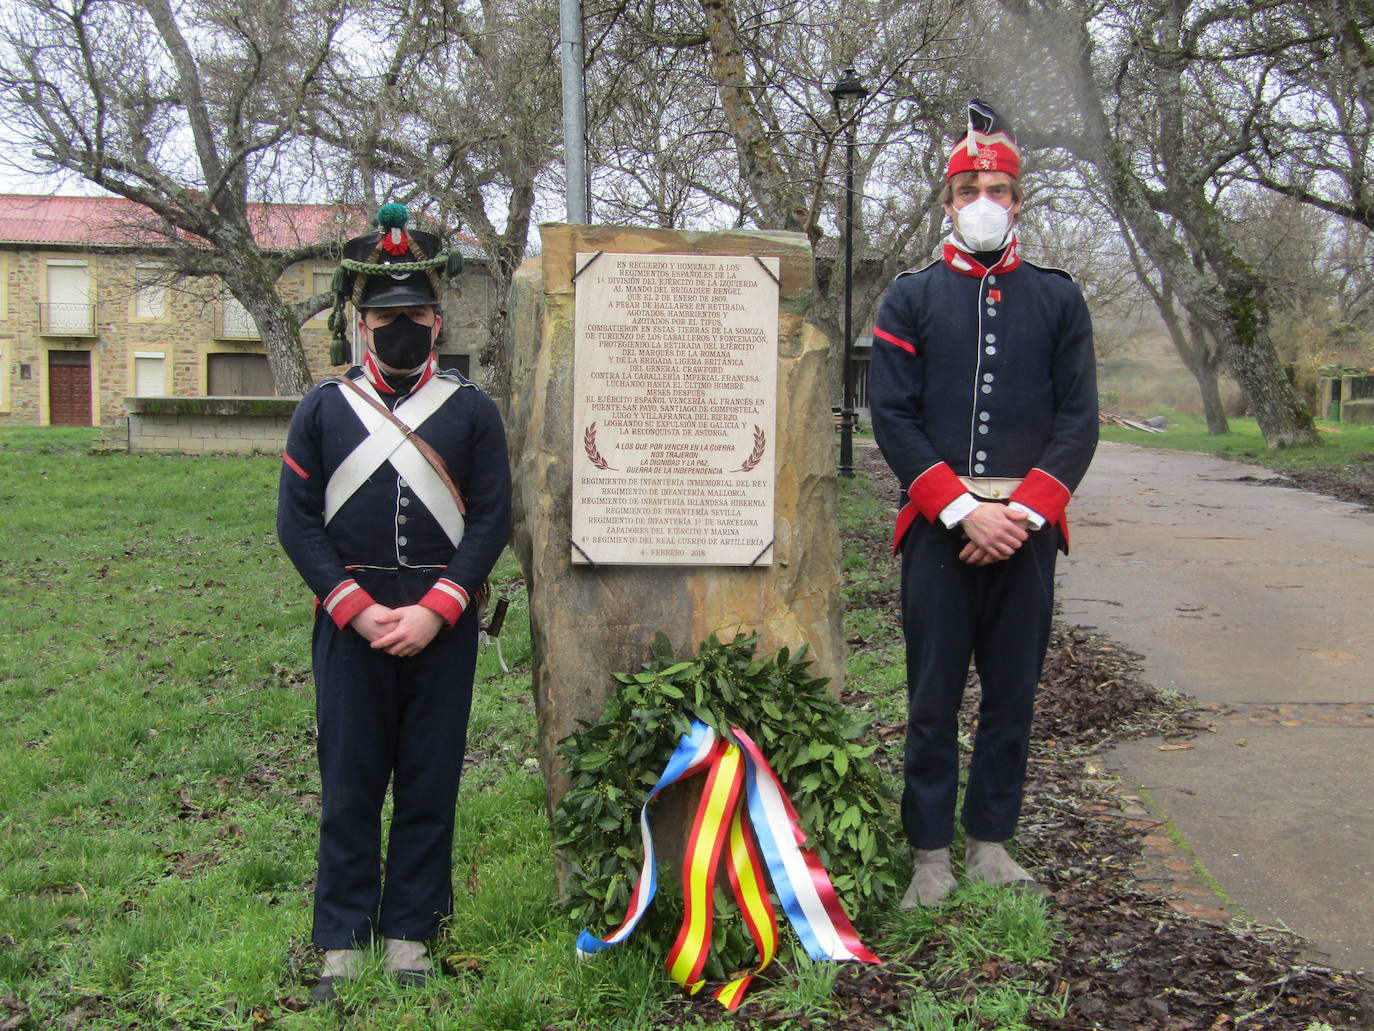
pixel 383 528
pixel 984 374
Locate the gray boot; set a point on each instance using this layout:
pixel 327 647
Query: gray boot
pixel 931 880
pixel 408 961
pixel 988 861
pixel 339 965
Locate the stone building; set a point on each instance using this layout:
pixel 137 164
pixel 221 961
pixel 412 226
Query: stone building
pixel 89 316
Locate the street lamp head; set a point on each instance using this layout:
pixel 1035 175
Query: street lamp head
pixel 848 90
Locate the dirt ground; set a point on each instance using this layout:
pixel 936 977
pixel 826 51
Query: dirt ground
pixel 1354 483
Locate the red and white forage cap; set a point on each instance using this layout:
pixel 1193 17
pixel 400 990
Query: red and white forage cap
pixel 987 146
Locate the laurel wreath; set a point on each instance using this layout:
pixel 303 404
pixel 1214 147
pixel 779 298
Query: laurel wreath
pixel 589 446
pixel 755 456
pixel 818 748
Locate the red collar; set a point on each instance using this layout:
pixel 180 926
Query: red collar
pixel 966 264
pixel 375 377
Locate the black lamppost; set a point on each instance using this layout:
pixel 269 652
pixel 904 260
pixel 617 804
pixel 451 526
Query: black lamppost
pixel 847 95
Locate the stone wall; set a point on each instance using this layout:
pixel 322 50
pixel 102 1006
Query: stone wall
pixel 1344 394
pixel 201 425
pixel 1358 412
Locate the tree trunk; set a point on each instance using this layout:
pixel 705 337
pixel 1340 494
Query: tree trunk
pixel 494 358
pixel 780 204
pixel 1205 365
pixel 281 339
pixel 1284 420
pixel 1202 358
pixel 1212 408
pixel 1239 317
pixel 253 282
pixel 1233 308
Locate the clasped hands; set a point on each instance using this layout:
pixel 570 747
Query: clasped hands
pixel 402 632
pixel 994 533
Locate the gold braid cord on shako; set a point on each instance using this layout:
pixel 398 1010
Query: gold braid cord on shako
pixel 350 281
pixel 373 267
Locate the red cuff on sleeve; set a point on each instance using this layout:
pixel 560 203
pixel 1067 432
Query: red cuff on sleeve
pixel 346 601
pixel 447 599
pixel 929 493
pixel 1047 496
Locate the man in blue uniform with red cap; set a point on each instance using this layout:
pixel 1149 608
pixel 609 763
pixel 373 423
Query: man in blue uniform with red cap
pixel 394 504
pixel 984 402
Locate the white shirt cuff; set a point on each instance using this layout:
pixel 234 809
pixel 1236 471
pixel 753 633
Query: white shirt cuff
pixel 961 506
pixel 1033 518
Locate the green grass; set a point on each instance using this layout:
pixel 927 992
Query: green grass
pixel 1342 444
pixel 159 803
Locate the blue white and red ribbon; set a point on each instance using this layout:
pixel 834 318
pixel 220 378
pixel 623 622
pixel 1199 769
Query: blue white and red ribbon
pixel 804 889
pixel 696 750
pixel 799 880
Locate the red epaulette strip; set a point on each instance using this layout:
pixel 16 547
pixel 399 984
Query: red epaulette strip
pixel 446 598
pixel 346 601
pixel 897 341
pixel 294 466
pixel 929 493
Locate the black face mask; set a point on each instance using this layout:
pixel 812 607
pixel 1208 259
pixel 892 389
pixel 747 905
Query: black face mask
pixel 403 344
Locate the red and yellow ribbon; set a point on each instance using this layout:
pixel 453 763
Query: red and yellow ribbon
pixel 751 892
pixel 720 824
pixel 709 832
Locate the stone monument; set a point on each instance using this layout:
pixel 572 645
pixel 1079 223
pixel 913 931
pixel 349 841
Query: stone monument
pixel 673 454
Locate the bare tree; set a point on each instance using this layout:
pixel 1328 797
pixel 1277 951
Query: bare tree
pixel 717 114
pixel 1309 70
pixel 1136 102
pixel 191 112
pixel 1203 355
pixel 451 108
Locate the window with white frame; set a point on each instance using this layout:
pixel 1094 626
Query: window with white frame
pixel 150 373
pixel 69 309
pixel 321 279
pixel 150 291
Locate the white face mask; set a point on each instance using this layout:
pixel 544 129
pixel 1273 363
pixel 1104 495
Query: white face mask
pixel 983 224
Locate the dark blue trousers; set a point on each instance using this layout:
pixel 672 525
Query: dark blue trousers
pixel 385 720
pixel 1000 616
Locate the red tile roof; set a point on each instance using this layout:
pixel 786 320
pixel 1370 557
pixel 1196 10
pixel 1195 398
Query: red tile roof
pixel 116 222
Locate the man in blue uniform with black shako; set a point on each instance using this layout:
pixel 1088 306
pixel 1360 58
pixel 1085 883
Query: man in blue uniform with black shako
pixel 394 504
pixel 984 402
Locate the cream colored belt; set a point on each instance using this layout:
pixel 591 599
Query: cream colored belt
pixel 994 488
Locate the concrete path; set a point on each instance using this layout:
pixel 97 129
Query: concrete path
pixel 1258 601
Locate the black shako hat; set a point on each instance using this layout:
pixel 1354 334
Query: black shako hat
pixel 388 267
pixel 416 256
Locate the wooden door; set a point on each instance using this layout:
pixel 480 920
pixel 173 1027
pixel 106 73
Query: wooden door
pixel 69 388
pixel 239 375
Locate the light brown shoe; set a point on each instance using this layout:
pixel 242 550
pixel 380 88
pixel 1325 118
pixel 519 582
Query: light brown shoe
pixel 931 881
pixel 988 862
